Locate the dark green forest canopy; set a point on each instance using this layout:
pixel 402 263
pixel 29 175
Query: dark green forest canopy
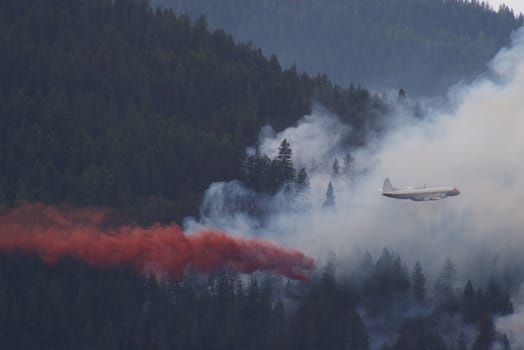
pixel 422 46
pixel 112 103
pixel 73 306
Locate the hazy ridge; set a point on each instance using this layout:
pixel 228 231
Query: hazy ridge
pixel 420 46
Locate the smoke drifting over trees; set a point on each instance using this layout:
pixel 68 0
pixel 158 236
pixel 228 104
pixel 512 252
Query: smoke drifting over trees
pixel 114 103
pixel 473 145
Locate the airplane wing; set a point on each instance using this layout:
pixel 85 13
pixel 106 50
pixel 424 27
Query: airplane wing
pixel 431 197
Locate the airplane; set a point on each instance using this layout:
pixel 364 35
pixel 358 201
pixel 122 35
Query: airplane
pixel 418 193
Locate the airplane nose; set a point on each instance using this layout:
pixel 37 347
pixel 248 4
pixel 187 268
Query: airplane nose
pixel 456 190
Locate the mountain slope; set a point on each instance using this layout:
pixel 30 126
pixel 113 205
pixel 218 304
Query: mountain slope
pixel 110 103
pixel 420 46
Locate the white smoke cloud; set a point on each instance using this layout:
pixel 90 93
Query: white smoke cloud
pixel 477 146
pixel 314 139
pixel 513 327
pixel 517 6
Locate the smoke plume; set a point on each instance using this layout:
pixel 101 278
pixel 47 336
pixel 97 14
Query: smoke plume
pixel 475 142
pixel 160 251
pixel 475 145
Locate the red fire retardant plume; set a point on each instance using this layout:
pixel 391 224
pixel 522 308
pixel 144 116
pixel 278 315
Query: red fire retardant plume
pixel 162 251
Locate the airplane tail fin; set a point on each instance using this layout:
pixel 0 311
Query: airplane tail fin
pixel 388 187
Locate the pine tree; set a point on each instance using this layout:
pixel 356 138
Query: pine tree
pixel 347 167
pixel 302 191
pixel 498 301
pixel 401 98
pixel 302 182
pixel 278 324
pixel 446 279
pixel 470 304
pixel 284 160
pixel 357 335
pixel 329 202
pixel 486 335
pixel 418 281
pixel 389 276
pixel 335 170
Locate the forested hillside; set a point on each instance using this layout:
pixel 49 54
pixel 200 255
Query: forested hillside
pixel 420 46
pixel 111 103
pixel 73 306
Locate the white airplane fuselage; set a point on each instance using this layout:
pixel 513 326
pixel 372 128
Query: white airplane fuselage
pixel 419 193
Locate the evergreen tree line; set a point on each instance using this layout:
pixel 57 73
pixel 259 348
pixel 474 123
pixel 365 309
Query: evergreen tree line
pixel 421 46
pixel 265 175
pixel 71 305
pixel 112 103
pixel 268 177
